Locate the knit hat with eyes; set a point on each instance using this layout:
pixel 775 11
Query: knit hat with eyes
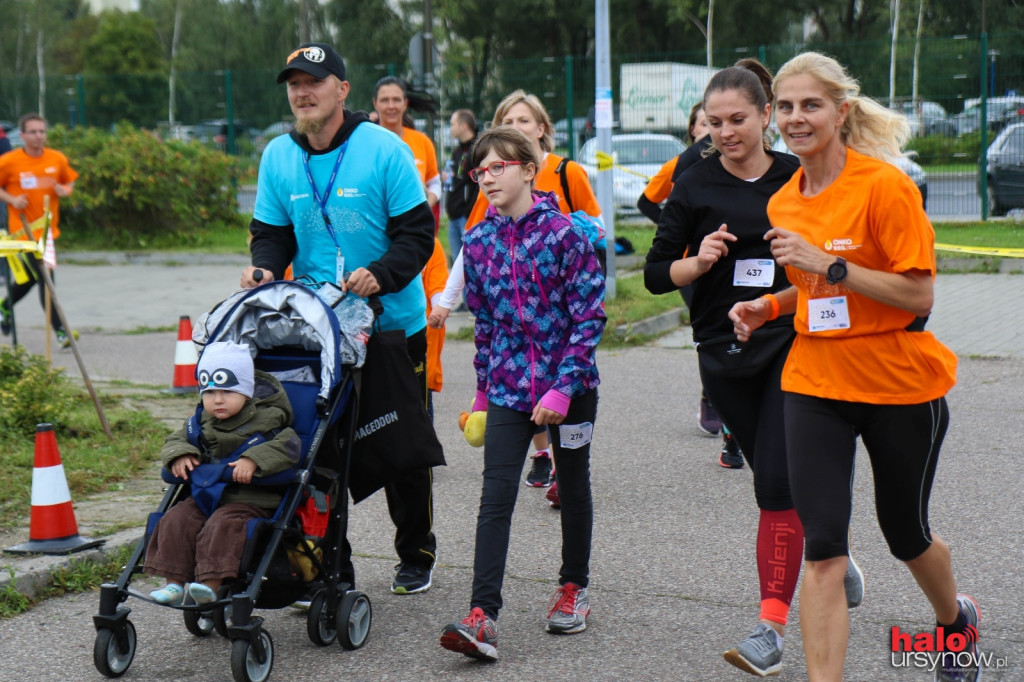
pixel 227 366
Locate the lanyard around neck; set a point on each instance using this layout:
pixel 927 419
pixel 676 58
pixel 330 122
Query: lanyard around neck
pixel 321 201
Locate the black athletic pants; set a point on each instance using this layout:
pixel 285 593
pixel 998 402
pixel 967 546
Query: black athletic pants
pixel 903 444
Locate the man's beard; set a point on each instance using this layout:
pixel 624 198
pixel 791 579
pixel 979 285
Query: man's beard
pixel 312 126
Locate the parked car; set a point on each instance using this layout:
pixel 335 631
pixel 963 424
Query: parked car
pixel 637 157
pixel 579 132
pixel 270 132
pixel 1004 171
pixel 926 118
pixel 13 134
pixel 1002 111
pixel 215 131
pixel 905 163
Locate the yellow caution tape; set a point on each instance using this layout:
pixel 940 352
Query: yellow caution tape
pixel 13 250
pixel 1005 252
pixel 18 270
pixel 12 246
pixel 605 162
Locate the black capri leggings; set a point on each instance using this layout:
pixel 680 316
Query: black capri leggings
pixel 903 444
pixel 751 407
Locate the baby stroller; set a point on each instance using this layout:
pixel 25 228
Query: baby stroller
pixel 311 339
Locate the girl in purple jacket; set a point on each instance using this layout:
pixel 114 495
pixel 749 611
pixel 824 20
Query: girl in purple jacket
pixel 535 286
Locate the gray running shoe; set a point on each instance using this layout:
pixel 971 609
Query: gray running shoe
pixel 952 668
pixel 758 654
pixel 569 609
pixel 853 581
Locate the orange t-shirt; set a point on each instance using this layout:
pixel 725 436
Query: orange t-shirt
pixel 35 178
pixel 423 151
pixel 435 275
pixel 660 186
pixel 426 163
pixel 548 180
pixel 870 215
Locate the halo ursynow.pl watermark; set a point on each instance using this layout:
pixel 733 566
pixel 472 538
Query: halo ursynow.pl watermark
pixel 926 650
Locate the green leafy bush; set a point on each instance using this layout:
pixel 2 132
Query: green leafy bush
pixel 934 150
pixel 31 392
pixel 134 187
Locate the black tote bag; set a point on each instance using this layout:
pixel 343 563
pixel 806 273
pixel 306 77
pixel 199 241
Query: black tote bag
pixel 393 436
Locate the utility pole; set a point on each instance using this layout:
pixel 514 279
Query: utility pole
pixel 603 113
pixel 428 59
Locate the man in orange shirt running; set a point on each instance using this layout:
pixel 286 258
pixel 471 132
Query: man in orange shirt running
pixel 27 177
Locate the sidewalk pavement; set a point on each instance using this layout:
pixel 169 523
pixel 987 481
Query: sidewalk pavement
pixel 673 577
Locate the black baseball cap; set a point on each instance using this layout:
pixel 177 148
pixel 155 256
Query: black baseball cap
pixel 316 59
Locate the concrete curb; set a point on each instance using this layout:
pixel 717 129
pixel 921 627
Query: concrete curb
pixel 666 321
pixel 153 258
pixel 32 575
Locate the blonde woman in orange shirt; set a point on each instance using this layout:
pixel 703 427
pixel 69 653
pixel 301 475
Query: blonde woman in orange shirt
pixel 859 251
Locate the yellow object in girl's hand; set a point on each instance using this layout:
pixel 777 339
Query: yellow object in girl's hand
pixel 474 431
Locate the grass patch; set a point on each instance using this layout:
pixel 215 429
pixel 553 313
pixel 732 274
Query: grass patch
pixel 32 393
pixel 1001 233
pixel 219 238
pixel 633 303
pixel 143 329
pixel 79 576
pixel 951 168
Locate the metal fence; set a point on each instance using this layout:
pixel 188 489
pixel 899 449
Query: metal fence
pixel 946 86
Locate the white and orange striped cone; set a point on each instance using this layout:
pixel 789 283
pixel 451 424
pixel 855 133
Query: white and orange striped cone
pixel 53 529
pixel 185 359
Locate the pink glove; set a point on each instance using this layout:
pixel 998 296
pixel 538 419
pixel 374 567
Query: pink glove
pixel 480 402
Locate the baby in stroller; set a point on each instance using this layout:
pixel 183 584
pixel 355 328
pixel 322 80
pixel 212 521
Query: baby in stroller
pixel 243 423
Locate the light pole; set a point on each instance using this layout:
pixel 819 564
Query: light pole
pixel 603 121
pixel 992 54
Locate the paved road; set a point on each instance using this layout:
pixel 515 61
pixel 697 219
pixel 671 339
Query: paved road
pixel 673 577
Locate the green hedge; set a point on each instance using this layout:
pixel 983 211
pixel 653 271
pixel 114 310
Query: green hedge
pixel 134 187
pixel 934 150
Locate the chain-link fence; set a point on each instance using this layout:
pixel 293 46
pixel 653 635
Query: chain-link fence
pixel 945 86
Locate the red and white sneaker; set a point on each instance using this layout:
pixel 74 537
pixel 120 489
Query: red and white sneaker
pixel 476 636
pixel 569 610
pixel 552 495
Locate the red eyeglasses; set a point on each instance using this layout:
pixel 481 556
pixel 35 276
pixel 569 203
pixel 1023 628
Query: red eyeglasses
pixel 495 169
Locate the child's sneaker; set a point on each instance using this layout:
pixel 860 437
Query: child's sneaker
pixel 730 457
pixel 169 594
pixel 552 495
pixel 569 610
pixel 707 418
pixel 476 636
pixel 540 471
pixel 201 594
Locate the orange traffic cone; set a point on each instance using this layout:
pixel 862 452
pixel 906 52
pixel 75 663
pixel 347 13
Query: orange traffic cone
pixel 185 359
pixel 53 529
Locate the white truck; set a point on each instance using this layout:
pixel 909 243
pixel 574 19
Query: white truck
pixel 657 96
